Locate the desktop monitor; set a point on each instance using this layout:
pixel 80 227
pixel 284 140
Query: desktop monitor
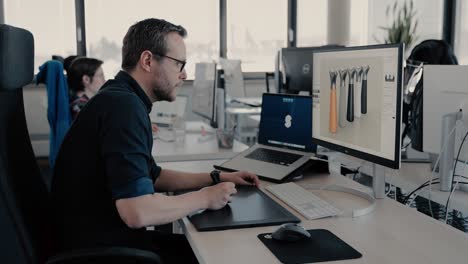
pixel 428 52
pixel 445 100
pixel 357 101
pixel 233 78
pixel 297 66
pixel 204 92
pixel 444 93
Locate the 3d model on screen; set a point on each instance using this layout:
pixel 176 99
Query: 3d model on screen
pixel 342 103
pixel 357 92
pixel 364 90
pixel 333 113
pixel 350 105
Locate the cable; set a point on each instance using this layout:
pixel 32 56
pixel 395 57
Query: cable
pixel 356 172
pixel 405 146
pixel 464 177
pixel 458 156
pixel 427 183
pixel 453 178
pixel 429 200
pixel 422 186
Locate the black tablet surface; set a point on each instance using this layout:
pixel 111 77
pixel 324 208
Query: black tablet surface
pixel 250 207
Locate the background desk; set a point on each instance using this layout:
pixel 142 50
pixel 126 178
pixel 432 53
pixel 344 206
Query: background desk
pixel 193 149
pixel 393 233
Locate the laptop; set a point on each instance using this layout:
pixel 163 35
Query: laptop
pixel 284 139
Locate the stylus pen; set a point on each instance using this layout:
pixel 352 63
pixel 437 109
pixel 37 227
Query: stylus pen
pixel 342 103
pixel 350 109
pixel 364 90
pixel 333 114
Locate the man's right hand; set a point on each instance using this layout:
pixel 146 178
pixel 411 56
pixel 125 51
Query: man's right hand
pixel 219 195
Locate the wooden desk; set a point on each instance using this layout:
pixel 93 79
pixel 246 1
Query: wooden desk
pixel 393 233
pixel 193 149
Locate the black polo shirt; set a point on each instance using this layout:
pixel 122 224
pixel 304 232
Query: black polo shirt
pixel 105 156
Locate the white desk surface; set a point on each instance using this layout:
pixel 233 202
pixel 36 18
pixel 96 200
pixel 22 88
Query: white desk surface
pixel 412 175
pixel 393 233
pixel 193 149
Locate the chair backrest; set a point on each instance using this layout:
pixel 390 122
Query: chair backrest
pixel 24 206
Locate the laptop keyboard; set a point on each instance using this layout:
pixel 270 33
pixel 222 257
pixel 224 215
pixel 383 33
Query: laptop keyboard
pixel 273 156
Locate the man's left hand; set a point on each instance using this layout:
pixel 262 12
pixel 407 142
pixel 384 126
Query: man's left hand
pixel 240 178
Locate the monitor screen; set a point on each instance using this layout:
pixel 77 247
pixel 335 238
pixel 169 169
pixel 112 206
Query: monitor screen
pixel 357 101
pixel 204 91
pixel 285 122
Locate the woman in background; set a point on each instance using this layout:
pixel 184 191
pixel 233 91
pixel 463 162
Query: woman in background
pixel 85 77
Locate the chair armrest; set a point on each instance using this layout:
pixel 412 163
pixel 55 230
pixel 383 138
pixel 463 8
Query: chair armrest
pixel 113 255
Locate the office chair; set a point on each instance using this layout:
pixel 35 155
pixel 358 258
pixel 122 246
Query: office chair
pixel 25 225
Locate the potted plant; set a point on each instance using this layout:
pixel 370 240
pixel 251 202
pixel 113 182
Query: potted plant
pixel 404 25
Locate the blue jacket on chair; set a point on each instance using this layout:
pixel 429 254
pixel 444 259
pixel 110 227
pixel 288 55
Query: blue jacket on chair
pixel 58 109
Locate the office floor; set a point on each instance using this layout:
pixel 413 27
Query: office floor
pixel 455 218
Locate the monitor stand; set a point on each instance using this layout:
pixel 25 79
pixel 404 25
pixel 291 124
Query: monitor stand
pixel 378 181
pixel 409 155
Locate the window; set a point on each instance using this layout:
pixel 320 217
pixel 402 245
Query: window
pixel 461 36
pixel 429 15
pixel 312 23
pixel 359 24
pixel 51 22
pixel 256 30
pixel 107 22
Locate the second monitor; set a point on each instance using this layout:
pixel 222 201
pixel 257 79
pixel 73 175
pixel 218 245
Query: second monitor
pixel 204 92
pixel 357 102
pixel 297 68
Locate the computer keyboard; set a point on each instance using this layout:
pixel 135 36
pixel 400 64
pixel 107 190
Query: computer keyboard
pixel 303 201
pixel 273 156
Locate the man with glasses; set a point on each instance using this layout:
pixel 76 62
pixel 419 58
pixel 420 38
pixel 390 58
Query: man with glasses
pixel 105 177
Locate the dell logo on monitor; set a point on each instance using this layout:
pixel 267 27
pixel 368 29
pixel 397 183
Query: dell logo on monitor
pixel 306 68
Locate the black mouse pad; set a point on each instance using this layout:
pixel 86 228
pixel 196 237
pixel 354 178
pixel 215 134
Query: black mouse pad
pixel 322 246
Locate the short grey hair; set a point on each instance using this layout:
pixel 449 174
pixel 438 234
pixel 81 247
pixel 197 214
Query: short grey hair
pixel 149 34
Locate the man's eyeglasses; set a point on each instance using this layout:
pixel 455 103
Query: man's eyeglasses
pixel 182 63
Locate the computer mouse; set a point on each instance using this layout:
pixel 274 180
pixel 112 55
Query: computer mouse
pixel 290 232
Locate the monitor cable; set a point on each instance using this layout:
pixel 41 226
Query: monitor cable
pixel 454 187
pixel 445 144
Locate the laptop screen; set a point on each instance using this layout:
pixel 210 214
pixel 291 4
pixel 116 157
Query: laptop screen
pixel 286 121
